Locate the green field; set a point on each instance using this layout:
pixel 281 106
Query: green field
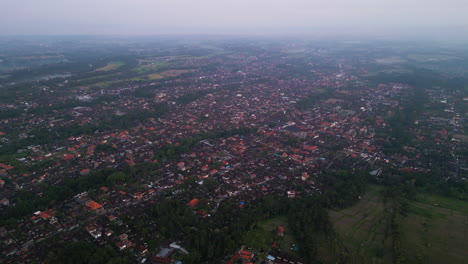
pixel 113 65
pixel 363 229
pixel 436 230
pixel 106 83
pixel 97 78
pixel 266 233
pixel 143 73
pixel 150 67
pixel 429 234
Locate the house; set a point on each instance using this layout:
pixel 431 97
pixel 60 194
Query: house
pixel 202 214
pixel 47 214
pixel 123 237
pixel 120 245
pixel 94 231
pixel 68 157
pixel 93 205
pixel 6 167
pixel 85 172
pixel 5 202
pixel 193 202
pixel 246 255
pixel 138 195
pixel 305 176
pixel 280 231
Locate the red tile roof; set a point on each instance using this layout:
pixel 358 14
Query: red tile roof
pixel 6 167
pixel 193 202
pixel 93 205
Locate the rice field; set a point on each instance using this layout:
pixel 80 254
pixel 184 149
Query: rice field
pixel 364 229
pixel 435 230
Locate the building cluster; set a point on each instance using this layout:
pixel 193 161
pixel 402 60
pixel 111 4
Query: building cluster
pixel 288 148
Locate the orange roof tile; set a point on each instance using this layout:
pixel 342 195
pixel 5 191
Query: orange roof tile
pixel 193 202
pixel 93 205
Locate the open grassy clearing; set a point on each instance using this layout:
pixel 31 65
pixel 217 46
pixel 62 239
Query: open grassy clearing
pixel 259 238
pixel 436 234
pixel 461 137
pixel 168 73
pixel 150 67
pixel 111 66
pixel 444 202
pixel 369 74
pixel 363 229
pixel 139 78
pixel 333 101
pixel 98 84
pixel 287 240
pixel 97 78
pixel 320 90
pixel 105 84
pixel 435 230
pixel 266 234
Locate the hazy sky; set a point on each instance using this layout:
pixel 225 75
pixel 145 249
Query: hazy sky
pixel 150 17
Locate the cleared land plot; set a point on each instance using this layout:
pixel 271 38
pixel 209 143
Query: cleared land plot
pixel 150 67
pixel 287 240
pixel 333 101
pixel 363 229
pixel 266 233
pixel 320 90
pixel 97 78
pixel 168 73
pixel 259 239
pixel 461 137
pixel 436 234
pixel 111 66
pixel 105 84
pixel 435 230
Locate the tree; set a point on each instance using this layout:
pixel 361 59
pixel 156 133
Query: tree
pixel 117 177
